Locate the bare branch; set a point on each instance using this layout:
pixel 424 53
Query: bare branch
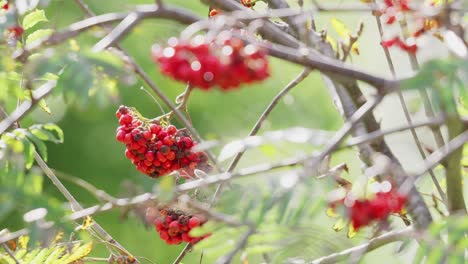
pixel 372 244
pixel 240 245
pixel 261 120
pixel 406 111
pixel 10 253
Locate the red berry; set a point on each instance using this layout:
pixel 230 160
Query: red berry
pixel 194 222
pixel 149 155
pixel 147 135
pixel 15 32
pixel 125 119
pixel 121 136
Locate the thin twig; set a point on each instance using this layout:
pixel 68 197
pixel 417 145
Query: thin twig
pixel 10 253
pixel 226 259
pixel 98 193
pixel 437 157
pixel 406 111
pixel 253 132
pixel 260 122
pixel 372 244
pixel 75 205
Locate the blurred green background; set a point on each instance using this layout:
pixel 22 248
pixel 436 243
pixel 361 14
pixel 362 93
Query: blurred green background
pixel 91 152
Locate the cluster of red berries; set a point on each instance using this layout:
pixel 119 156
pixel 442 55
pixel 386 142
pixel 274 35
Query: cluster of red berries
pixel 6 6
pixel 393 7
pixel 378 208
pixel 225 61
pixel 392 10
pixel 157 150
pixel 174 226
pixel 363 212
pixel 409 46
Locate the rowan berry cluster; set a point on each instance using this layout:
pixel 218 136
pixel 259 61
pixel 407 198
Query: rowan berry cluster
pixel 394 10
pixel 156 149
pixel 363 212
pixel 378 208
pixel 225 61
pixel 174 226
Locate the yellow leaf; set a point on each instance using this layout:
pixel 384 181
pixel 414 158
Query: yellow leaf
pixel 351 231
pixel 23 241
pixel 58 237
pixel 331 212
pixel 87 222
pixel 340 28
pixel 74 45
pixel 339 225
pixel 331 41
pixel 78 252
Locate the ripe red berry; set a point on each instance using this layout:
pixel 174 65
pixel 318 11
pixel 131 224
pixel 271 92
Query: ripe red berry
pixel 6 6
pixel 125 120
pixel 194 222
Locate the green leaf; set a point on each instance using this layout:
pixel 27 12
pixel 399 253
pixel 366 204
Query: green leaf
pixel 56 130
pixel 40 146
pixel 33 18
pixel 48 132
pixel 54 256
pixel 48 77
pixel 29 150
pixel 30 255
pixel 41 257
pixel 42 103
pixel 10 140
pixel 38 35
pixel 33 184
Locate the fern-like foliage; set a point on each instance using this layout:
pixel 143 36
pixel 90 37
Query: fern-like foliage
pixel 56 253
